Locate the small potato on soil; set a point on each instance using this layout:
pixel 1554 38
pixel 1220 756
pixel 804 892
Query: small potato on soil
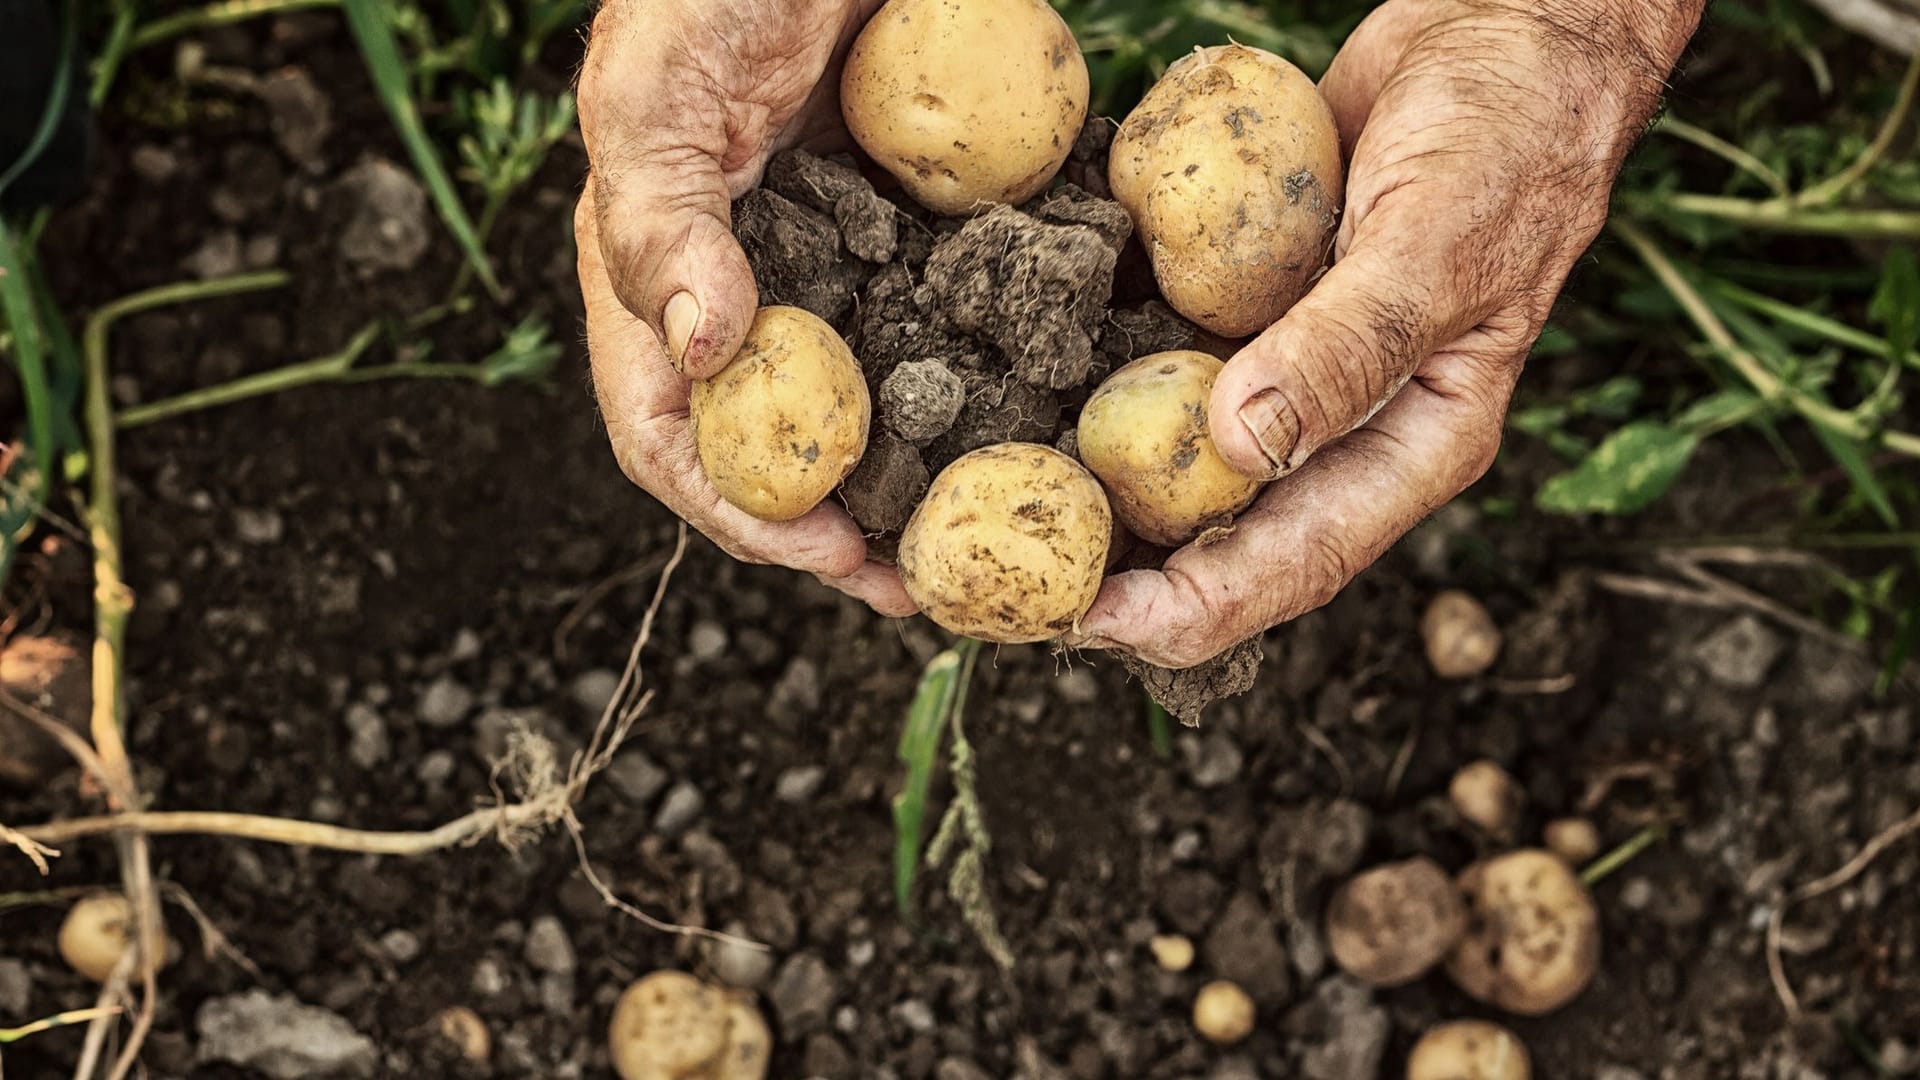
pixel 671 1026
pixel 1231 169
pixel 966 104
pixel 1574 839
pixel 468 1033
pixel 1392 924
pixel 96 933
pixel 1533 934
pixel 1223 1013
pixel 1461 638
pixel 1489 797
pixel 54 676
pixel 1469 1050
pixel 1009 544
pixel 786 420
pixel 1144 434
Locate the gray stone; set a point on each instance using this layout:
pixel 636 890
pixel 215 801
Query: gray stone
pixel 738 962
pixel 489 978
pixel 1618 1072
pixel 707 641
pixel 445 703
pixel 548 948
pixel 283 1038
pixel 802 995
pixel 1354 1033
pixel 1888 729
pixel 154 164
pixel 1077 686
pixel 389 227
pixel 915 1015
pixel 1740 652
pixel 679 809
pixel 635 777
pixel 593 690
pixel 16 988
pixel 959 1068
pixel 799 784
pixel 401 946
pixel 1234 1068
pixel 436 767
pixel 1243 947
pixel 920 400
pixel 300 115
pixel 262 526
pixel 1212 760
pixel 219 255
pixel 367 743
pixel 797 694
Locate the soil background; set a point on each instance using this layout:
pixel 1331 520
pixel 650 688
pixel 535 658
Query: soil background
pixel 348 596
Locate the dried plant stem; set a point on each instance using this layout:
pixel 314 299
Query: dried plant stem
pixel 1776 965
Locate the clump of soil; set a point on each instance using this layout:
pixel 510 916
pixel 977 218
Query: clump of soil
pixel 971 331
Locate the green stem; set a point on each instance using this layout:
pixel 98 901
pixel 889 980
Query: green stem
pixel 224 13
pixel 112 53
pixel 1839 184
pixel 324 369
pixel 1768 385
pixel 1726 151
pixel 489 216
pixel 1598 869
pixel 1802 319
pixel 1777 216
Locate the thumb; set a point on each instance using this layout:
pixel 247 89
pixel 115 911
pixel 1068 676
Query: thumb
pixel 1339 355
pixel 667 240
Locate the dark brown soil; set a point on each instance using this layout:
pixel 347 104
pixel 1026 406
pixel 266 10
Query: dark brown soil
pixel 347 596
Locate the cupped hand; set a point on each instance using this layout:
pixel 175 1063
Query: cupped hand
pixel 1484 138
pixel 682 102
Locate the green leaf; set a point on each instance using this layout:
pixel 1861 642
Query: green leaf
pixel 1719 411
pixel 525 355
pixel 1611 400
pixel 1850 457
pixel 381 50
pixel 919 745
pixel 1624 475
pixel 1896 304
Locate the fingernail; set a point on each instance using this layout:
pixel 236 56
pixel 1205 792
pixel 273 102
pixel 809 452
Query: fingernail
pixel 1274 425
pixel 682 317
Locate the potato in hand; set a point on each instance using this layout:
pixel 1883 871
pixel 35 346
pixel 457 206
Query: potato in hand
pixel 786 420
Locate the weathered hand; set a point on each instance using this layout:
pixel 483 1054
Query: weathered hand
pixel 1484 138
pixel 681 104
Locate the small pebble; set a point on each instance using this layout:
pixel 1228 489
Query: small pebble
pixel 401 946
pixel 445 703
pixel 681 808
pixel 548 948
pixel 799 784
pixel 707 641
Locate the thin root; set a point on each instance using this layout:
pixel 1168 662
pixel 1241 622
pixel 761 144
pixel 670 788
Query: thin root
pixel 1776 964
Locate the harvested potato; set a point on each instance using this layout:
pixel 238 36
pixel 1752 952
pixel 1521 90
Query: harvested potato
pixel 967 104
pixel 1144 434
pixel 1573 839
pixel 52 674
pixel 1390 925
pixel 1008 545
pixel 1173 952
pixel 1469 1050
pixel 1460 636
pixel 1489 797
pixel 1231 170
pixel 96 933
pixel 749 1044
pixel 786 420
pixel 1533 935
pixel 463 1028
pixel 1223 1013
pixel 669 1026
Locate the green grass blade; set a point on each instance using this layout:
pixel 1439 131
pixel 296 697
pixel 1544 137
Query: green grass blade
pixel 29 359
pixel 1158 728
pixel 1848 455
pixel 919 745
pixel 50 110
pixel 77 1016
pixel 388 70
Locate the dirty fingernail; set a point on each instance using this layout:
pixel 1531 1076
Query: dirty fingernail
pixel 1275 426
pixel 682 317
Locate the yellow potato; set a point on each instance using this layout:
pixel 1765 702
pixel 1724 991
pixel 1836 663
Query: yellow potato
pixel 96 933
pixel 1461 637
pixel 1144 434
pixel 1469 1050
pixel 1223 1013
pixel 786 420
pixel 1009 544
pixel 968 103
pixel 669 1026
pixel 1533 934
pixel 1390 925
pixel 1488 796
pixel 1231 170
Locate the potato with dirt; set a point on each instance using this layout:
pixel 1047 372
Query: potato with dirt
pixel 786 420
pixel 967 104
pixel 1009 545
pixel 1392 924
pixel 1469 1050
pixel 1144 434
pixel 1533 934
pixel 1231 170
pixel 671 1026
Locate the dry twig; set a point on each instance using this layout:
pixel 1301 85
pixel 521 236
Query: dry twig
pixel 1776 964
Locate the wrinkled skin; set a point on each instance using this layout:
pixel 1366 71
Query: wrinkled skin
pixel 1484 138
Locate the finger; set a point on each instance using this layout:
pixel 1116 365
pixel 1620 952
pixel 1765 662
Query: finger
pixel 1407 285
pixel 877 585
pixel 644 403
pixel 1311 533
pixel 658 141
pixel 1361 67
